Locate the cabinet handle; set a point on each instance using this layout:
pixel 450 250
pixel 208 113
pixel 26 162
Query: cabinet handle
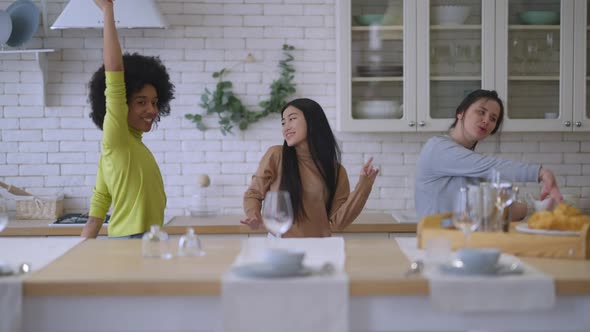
pixel 567 124
pixel 411 123
pixel 421 123
pixel 578 123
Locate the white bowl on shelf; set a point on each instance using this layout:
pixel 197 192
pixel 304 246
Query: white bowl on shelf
pixel 377 109
pixel 449 15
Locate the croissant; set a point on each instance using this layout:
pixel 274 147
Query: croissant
pixel 564 218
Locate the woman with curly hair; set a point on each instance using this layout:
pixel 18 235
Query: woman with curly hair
pixel 128 96
pixel 308 166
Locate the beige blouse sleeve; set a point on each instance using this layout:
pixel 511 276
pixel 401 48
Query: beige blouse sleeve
pixel 266 174
pixel 348 205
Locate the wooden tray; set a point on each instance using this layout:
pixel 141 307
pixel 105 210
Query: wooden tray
pixel 513 242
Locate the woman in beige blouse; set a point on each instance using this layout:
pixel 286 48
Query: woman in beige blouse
pixel 317 182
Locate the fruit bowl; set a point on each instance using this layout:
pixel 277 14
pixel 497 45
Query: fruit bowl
pixel 449 15
pixel 539 17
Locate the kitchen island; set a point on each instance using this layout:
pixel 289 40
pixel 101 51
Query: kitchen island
pixel 98 280
pixel 376 223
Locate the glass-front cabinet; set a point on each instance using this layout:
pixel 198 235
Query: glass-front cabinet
pixel 535 54
pixel 405 65
pixel 453 39
pixel 581 86
pixel 376 57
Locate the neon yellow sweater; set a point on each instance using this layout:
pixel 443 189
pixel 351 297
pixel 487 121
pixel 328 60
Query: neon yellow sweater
pixel 128 175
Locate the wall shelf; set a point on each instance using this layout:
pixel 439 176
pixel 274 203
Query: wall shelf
pixel 534 27
pixel 533 78
pixel 455 78
pixel 378 79
pixel 41 57
pixel 456 27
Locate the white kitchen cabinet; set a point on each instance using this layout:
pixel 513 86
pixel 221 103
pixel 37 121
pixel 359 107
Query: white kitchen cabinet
pixel 530 63
pixel 376 66
pixel 581 88
pixel 534 65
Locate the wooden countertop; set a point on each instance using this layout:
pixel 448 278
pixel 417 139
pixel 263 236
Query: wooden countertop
pixel 116 268
pixel 224 224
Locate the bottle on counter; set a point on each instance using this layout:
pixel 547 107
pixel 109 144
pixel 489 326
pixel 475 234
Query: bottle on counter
pixel 155 244
pixel 189 244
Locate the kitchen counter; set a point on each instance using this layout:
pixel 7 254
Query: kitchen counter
pixel 223 224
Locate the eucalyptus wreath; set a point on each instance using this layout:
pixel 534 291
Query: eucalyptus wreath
pixel 230 109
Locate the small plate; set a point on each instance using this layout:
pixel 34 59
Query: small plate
pixel 526 229
pixel 25 22
pixel 265 270
pixel 500 270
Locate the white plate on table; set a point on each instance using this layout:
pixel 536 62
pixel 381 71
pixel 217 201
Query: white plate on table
pixel 500 270
pixel 526 229
pixel 265 270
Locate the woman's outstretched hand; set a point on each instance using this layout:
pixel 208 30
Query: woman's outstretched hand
pixel 369 171
pixel 255 223
pixel 103 4
pixel 550 187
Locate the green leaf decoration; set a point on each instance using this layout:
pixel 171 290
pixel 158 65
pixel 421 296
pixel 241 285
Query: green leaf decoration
pixel 229 108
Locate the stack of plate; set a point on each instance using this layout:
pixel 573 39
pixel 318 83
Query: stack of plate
pixel 379 70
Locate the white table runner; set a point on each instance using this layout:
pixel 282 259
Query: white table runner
pixel 529 291
pixel 38 252
pixel 313 303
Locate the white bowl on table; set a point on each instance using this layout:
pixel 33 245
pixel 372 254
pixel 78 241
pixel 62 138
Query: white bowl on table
pixel 449 15
pixel 284 259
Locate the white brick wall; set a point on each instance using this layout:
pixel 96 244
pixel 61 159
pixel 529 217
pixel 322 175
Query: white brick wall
pixel 57 148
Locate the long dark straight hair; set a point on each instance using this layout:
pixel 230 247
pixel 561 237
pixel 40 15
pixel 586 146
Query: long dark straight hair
pixel 324 150
pixel 474 97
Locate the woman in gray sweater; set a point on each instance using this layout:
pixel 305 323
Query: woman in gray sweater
pixel 449 162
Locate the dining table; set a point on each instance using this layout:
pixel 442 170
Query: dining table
pixel 108 285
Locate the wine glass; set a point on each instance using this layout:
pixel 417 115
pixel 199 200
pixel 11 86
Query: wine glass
pixel 517 54
pixel 277 212
pixel 3 214
pixel 467 212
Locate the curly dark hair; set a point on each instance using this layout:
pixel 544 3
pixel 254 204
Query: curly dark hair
pixel 139 71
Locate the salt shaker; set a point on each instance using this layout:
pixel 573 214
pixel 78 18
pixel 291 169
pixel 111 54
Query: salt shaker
pixel 155 244
pixel 189 244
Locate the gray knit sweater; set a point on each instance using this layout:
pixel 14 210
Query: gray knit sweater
pixel 444 166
